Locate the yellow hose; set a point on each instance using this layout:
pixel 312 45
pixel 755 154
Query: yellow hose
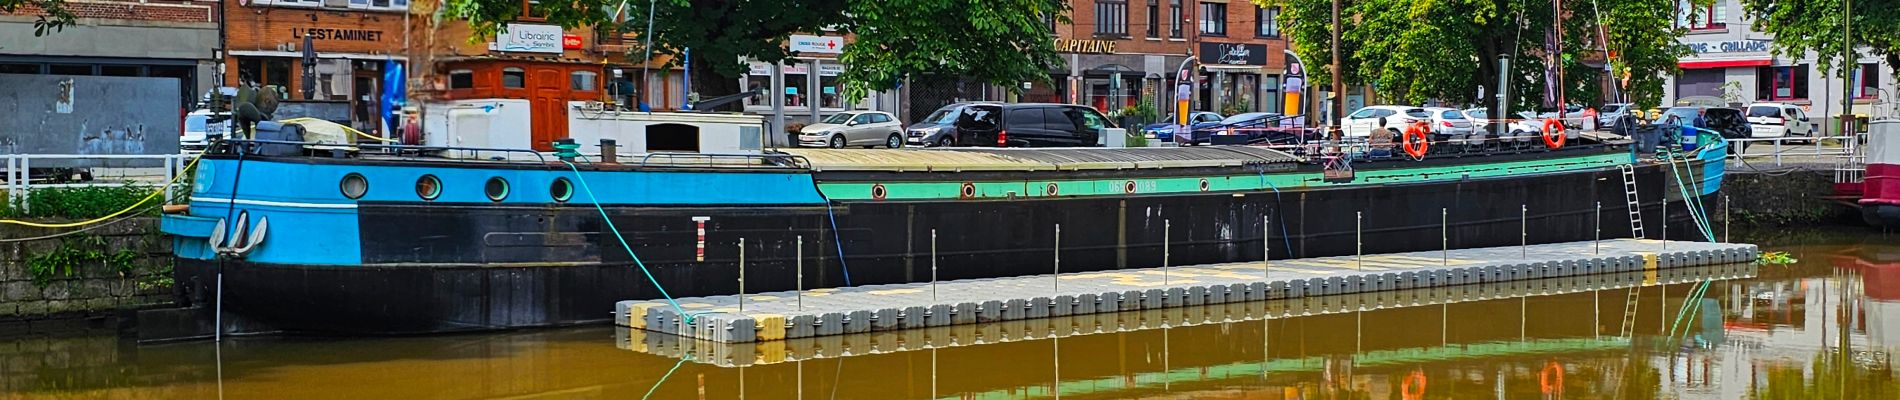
pixel 346 128
pixel 155 193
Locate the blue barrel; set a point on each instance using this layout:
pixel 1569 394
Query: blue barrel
pixel 1688 137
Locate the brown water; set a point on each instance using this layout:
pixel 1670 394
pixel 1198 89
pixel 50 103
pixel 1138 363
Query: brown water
pixel 1824 328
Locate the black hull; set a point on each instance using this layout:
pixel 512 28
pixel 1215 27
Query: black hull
pixel 439 271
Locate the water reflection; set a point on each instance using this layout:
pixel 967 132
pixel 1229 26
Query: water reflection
pixel 1823 328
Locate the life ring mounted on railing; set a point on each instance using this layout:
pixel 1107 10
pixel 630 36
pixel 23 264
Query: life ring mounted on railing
pixel 1417 140
pixel 1553 133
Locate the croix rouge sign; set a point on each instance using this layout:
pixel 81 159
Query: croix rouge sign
pixel 359 35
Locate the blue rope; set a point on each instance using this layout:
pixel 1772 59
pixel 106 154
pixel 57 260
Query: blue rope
pixel 835 238
pixel 669 374
pixel 623 242
pixel 1276 208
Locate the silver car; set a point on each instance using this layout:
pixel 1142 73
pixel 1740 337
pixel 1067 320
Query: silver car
pixel 855 128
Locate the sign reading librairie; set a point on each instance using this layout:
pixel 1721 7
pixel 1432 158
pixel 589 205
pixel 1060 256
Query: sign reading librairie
pixel 528 38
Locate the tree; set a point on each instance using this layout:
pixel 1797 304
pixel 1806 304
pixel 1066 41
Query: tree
pixel 1005 42
pixel 53 15
pixel 1801 26
pixel 1448 50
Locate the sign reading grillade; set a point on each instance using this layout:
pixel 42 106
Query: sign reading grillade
pixel 528 39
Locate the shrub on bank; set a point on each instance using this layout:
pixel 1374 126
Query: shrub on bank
pixel 77 202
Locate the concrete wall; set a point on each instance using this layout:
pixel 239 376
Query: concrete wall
pixel 98 288
pixel 60 114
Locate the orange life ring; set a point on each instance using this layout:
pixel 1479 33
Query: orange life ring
pixel 1553 133
pixel 1413 387
pixel 1552 378
pixel 1415 140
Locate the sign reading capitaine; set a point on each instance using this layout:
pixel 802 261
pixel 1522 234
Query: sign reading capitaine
pixel 816 44
pixel 528 38
pixel 1088 46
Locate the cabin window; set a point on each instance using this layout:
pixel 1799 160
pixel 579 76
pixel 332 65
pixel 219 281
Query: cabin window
pixel 514 78
pixel 673 137
pixel 496 188
pixel 428 187
pixel 583 81
pixel 561 190
pixel 353 186
pixel 461 79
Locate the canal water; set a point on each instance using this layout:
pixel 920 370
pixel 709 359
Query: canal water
pixel 1824 327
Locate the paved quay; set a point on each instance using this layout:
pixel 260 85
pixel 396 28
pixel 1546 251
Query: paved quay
pixel 837 311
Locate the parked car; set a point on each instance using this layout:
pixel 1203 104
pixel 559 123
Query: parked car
pixel 1255 126
pixel 1610 112
pixel 1449 123
pixel 1573 116
pixel 1032 125
pixel 855 128
pixel 1164 130
pixel 1360 123
pixel 202 127
pixel 940 128
pixel 1773 120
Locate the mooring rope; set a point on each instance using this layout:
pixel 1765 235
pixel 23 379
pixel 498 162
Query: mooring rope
pixel 623 242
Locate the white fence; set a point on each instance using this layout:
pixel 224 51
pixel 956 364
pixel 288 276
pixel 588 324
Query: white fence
pixel 20 177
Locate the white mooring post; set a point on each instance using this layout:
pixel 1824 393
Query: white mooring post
pixel 1523 230
pixel 1057 281
pixel 1167 228
pixel 933 264
pixel 742 275
pixel 1359 240
pixel 801 273
pixel 1598 238
pixel 1725 215
pixel 1444 236
pixel 1266 246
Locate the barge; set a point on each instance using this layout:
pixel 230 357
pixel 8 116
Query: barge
pixel 286 236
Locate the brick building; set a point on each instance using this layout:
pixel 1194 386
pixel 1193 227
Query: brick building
pixel 1120 52
pixel 150 38
pixel 352 41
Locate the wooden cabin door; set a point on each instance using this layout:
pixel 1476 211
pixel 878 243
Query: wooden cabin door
pixel 548 103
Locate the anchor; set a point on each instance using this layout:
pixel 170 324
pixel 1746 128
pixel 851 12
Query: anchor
pixel 244 242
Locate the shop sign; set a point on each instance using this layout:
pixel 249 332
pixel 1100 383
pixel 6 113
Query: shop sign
pixel 816 44
pixel 1086 46
pixel 1233 54
pixel 355 35
pixel 830 70
pixel 528 38
pixel 571 42
pixel 1731 46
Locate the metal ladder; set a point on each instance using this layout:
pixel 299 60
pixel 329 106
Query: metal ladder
pixel 1629 311
pixel 1635 207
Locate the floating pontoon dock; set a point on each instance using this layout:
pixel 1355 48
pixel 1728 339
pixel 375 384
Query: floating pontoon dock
pixel 873 308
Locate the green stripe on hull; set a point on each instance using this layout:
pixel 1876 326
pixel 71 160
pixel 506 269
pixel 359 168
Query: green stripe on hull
pixel 1245 182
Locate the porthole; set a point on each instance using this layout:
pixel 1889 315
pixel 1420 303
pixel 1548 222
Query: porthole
pixel 428 187
pixel 496 188
pixel 561 190
pixel 353 186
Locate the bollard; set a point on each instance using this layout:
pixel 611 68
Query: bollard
pixel 741 275
pixel 933 264
pixel 1359 240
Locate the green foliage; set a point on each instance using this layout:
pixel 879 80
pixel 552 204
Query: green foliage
pixel 1801 26
pixel 1412 51
pixel 1136 138
pixel 1004 42
pixel 1237 105
pixel 76 252
pixel 1143 111
pixel 77 202
pixel 1776 258
pixel 53 18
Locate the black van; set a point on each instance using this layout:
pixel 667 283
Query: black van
pixel 1031 125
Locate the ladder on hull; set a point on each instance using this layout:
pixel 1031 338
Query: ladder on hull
pixel 1635 207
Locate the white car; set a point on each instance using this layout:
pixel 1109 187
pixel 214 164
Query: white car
pixel 854 128
pixel 1773 120
pixel 1451 124
pixel 1360 123
pixel 200 128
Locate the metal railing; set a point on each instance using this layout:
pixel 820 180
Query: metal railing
pixel 724 160
pixel 20 179
pixel 1815 147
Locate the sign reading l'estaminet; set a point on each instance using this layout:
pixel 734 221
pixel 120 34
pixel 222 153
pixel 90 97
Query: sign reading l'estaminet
pixel 1088 46
pixel 361 35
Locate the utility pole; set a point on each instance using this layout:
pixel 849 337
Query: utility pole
pixel 1848 61
pixel 1338 106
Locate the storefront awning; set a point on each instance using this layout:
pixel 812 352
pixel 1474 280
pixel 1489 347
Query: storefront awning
pixel 1725 63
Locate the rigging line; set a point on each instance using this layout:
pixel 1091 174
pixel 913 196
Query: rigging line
pixel 836 239
pixel 122 218
pixel 1276 210
pixel 669 374
pixel 623 242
